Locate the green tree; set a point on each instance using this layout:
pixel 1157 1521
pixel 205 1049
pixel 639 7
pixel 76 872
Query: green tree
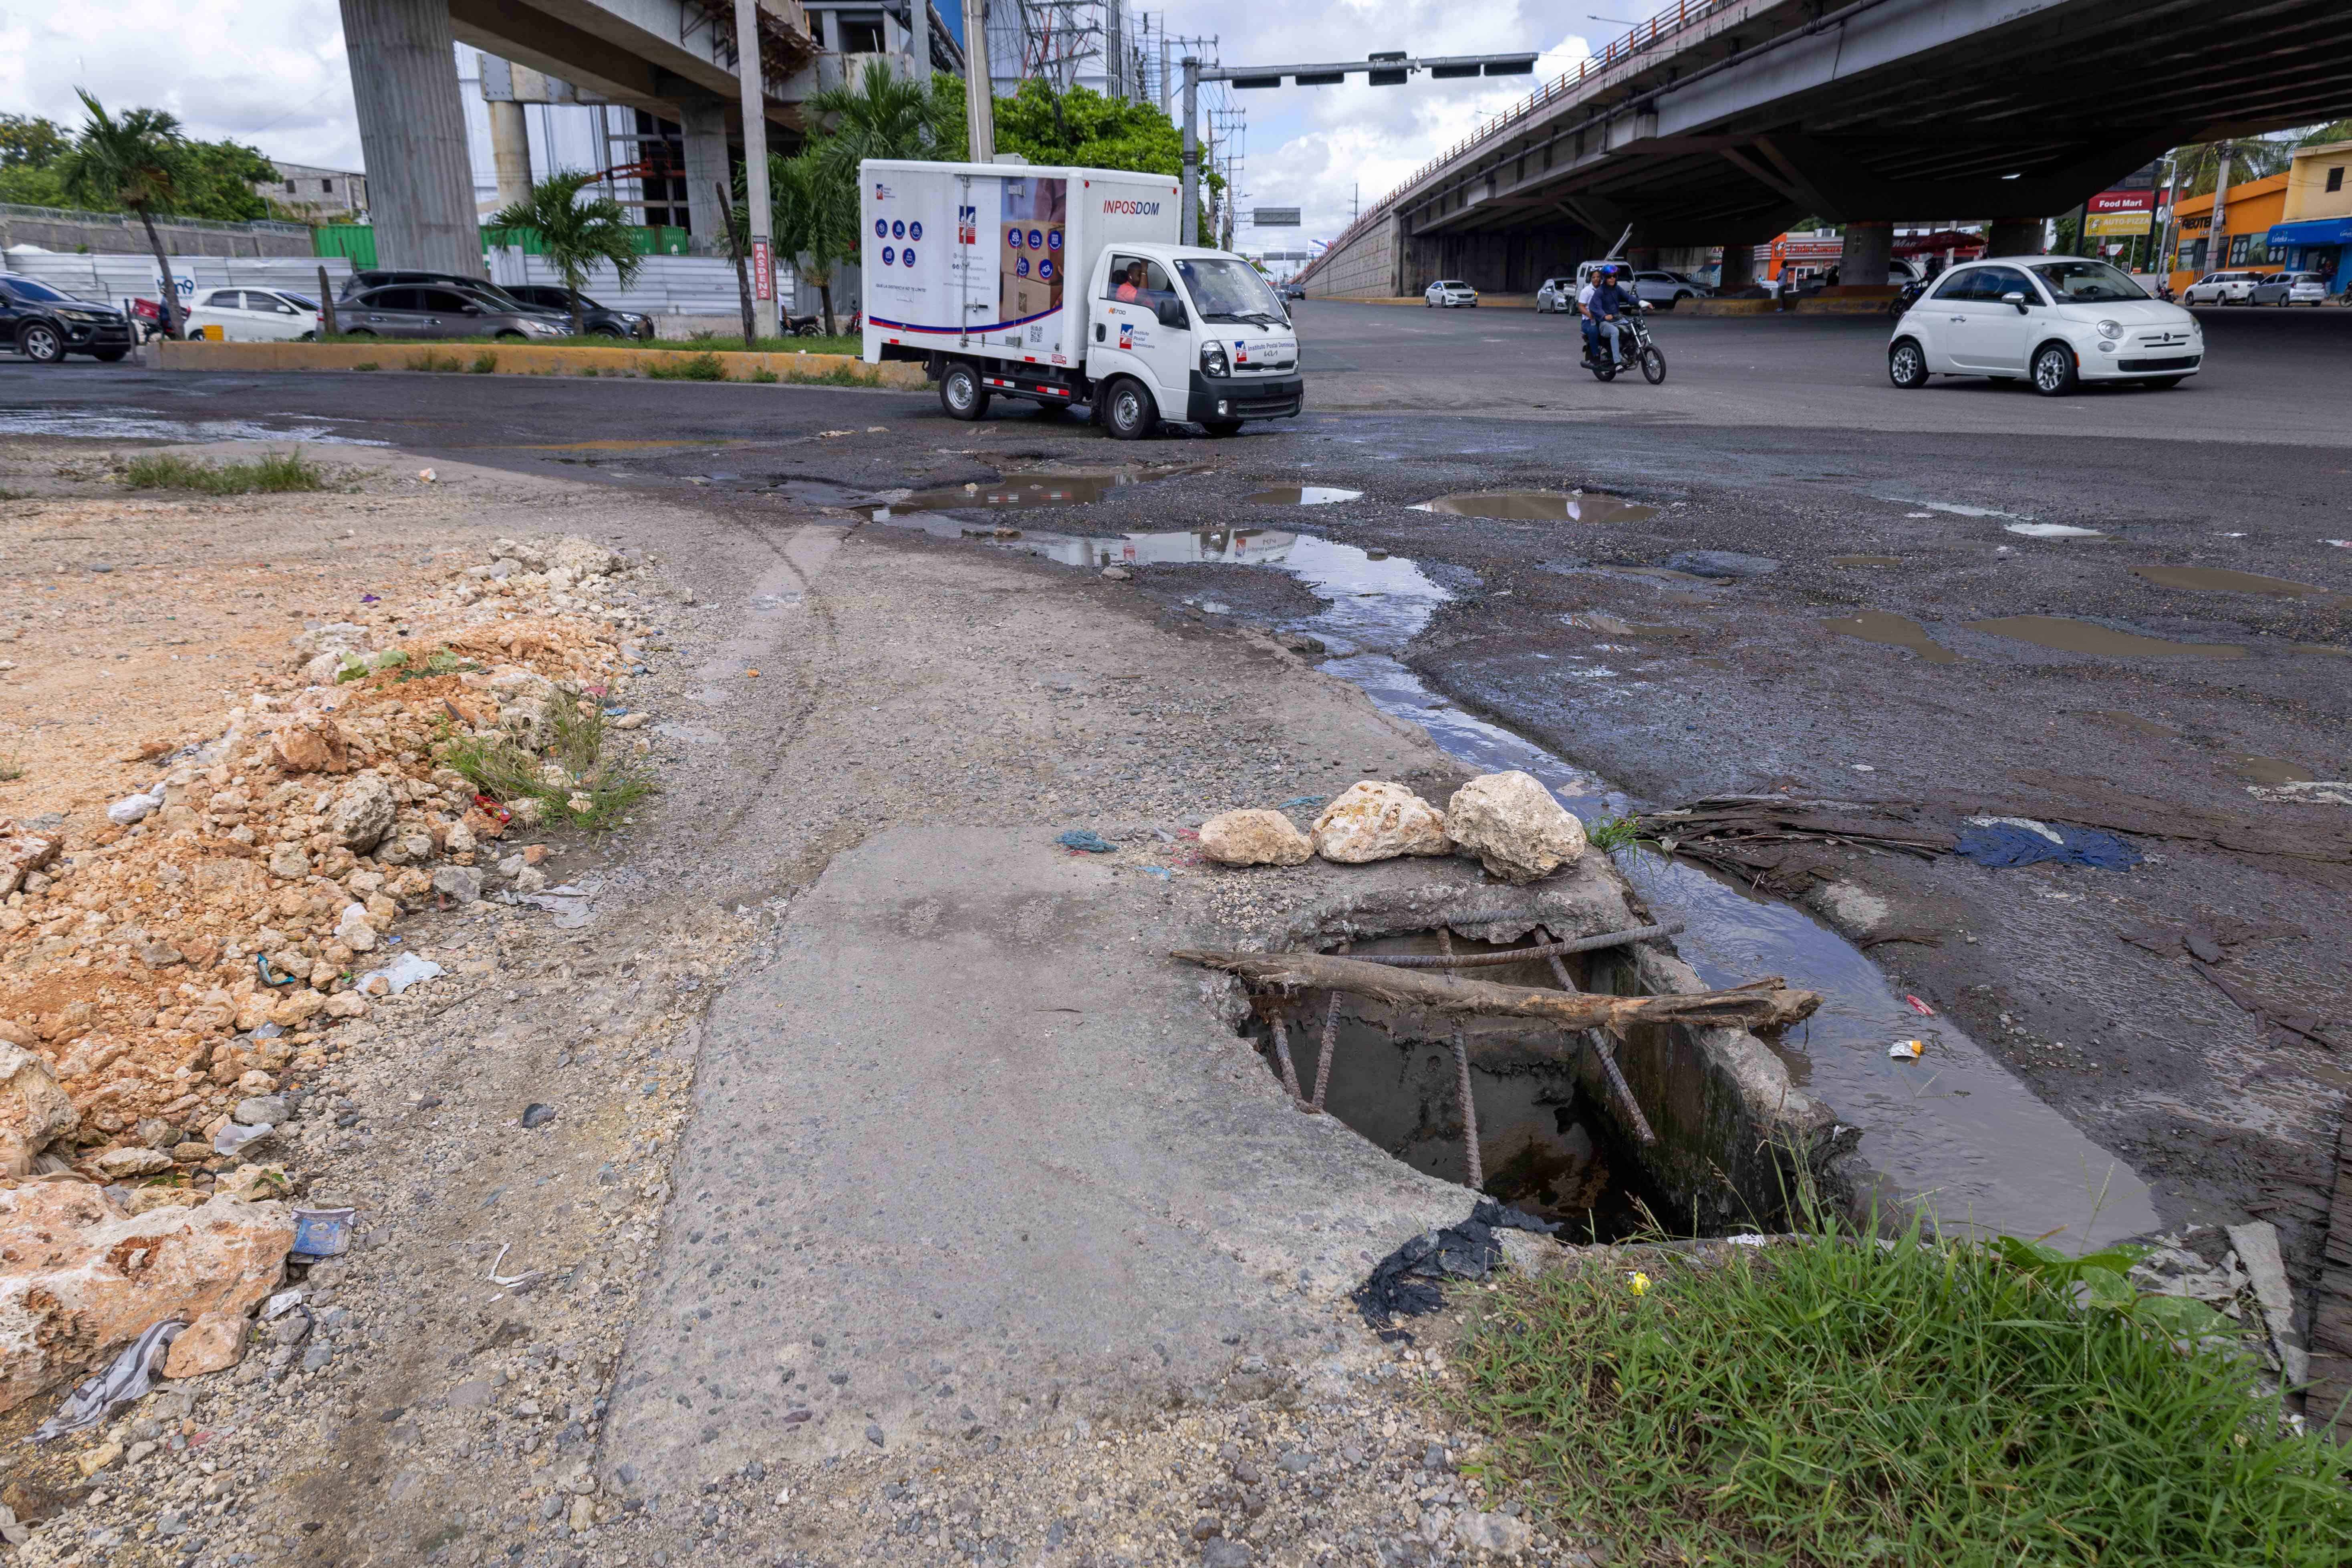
pixel 1079 127
pixel 2317 136
pixel 816 216
pixel 576 236
pixel 220 180
pixel 138 161
pixel 28 141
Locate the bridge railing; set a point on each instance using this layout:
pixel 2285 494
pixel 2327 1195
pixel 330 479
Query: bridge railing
pixel 1641 40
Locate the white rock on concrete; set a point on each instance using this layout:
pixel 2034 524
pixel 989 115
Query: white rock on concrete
pixel 1515 828
pixel 1373 821
pixel 1254 838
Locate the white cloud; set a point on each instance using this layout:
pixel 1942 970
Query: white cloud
pixel 268 72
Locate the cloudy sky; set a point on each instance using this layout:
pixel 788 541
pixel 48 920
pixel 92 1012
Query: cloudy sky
pixel 272 72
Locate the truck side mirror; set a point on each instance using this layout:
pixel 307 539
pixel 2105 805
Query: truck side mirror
pixel 1171 314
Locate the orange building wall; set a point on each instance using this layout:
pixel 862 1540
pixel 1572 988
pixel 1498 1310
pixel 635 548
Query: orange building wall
pixel 2252 207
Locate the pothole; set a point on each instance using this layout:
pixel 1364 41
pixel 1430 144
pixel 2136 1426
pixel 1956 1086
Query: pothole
pixel 1541 506
pixel 1042 487
pixel 1891 631
pixel 2068 635
pixel 1301 495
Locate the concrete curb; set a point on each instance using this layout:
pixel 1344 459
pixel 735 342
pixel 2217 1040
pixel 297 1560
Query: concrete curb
pixel 533 359
pixel 1727 308
pixel 1490 302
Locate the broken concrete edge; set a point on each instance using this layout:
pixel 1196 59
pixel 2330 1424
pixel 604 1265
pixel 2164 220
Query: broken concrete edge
pixel 1737 1143
pixel 535 359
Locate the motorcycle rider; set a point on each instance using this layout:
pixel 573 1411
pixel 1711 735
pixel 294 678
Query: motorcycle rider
pixel 1602 312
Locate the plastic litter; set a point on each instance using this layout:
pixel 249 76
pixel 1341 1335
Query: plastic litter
pixel 2305 791
pixel 1298 800
pixel 509 1281
pixel 1747 1238
pixel 261 966
pixel 571 906
pixel 401 973
pixel 1162 872
pixel 2005 841
pixel 1402 1285
pixel 236 1137
pixel 128 1377
pixel 277 1306
pixel 1920 1008
pixel 321 1233
pixel 1908 1050
pixel 133 808
pixel 1085 840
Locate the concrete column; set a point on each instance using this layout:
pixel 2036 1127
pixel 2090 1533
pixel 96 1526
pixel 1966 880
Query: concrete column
pixel 1869 250
pixel 1739 269
pixel 509 151
pixel 706 169
pixel 413 134
pixel 2013 237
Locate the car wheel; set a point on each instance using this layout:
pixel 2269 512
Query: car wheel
pixel 1128 412
pixel 1906 365
pixel 40 343
pixel 1222 428
pixel 961 393
pixel 2053 369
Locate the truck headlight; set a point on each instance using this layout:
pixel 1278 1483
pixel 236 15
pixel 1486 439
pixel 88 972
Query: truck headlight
pixel 2111 330
pixel 1212 360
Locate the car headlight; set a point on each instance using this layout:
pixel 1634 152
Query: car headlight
pixel 2111 328
pixel 1212 360
pixel 81 316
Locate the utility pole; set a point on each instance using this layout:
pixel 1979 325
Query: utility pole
pixel 761 239
pixel 978 85
pixel 1114 54
pixel 1190 207
pixel 2217 250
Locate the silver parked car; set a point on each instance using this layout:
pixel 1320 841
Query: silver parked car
pixel 1668 288
pixel 1556 297
pixel 2290 289
pixel 413 311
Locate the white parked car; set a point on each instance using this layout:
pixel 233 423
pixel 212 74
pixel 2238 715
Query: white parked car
pixel 255 315
pixel 1450 294
pixel 1556 297
pixel 2223 288
pixel 2058 320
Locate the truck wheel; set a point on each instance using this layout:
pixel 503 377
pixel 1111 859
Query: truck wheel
pixel 961 393
pixel 1127 410
pixel 1222 428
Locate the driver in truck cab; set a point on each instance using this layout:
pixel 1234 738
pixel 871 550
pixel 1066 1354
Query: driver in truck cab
pixel 1130 285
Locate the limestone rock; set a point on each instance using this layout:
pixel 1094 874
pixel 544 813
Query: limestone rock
pixel 83 1278
pixel 1515 828
pixel 1372 821
pixel 354 931
pixel 583 558
pixel 361 812
pixel 121 1163
pixel 1499 1533
pixel 462 883
pixel 296 1009
pixel 34 1112
pixel 313 743
pixel 214 1342
pixel 346 1005
pixel 1254 838
pixel 288 862
pixel 21 853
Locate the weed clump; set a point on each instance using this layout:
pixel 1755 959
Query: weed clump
pixel 273 473
pixel 585 778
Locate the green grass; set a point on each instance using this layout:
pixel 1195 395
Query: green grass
pixel 11 770
pixel 583 778
pixel 1834 1402
pixel 271 474
pixel 484 362
pixel 1611 834
pixel 364 364
pixel 437 363
pixel 692 367
pixel 766 377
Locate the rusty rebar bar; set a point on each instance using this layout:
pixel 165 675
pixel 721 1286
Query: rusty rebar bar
pixel 1623 1091
pixel 1331 1038
pixel 1282 1055
pixel 1552 950
pixel 1462 1084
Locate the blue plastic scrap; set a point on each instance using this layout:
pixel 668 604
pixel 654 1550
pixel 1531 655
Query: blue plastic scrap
pixel 1087 841
pixel 2002 844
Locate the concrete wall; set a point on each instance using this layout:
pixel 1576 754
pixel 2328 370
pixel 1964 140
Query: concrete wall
pixel 1365 268
pixel 1497 263
pixel 52 228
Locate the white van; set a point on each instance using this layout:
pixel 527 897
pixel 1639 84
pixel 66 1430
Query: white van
pixel 1062 286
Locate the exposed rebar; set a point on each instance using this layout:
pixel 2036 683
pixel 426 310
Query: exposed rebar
pixel 1331 1038
pixel 1282 1055
pixel 1462 1083
pixel 1449 961
pixel 1625 1091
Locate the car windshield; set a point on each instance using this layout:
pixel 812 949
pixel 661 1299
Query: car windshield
pixel 27 288
pixel 2087 282
pixel 1229 290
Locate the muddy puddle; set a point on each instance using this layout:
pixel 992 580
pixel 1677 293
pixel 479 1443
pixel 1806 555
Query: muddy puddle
pixel 2067 635
pixel 1955 1128
pixel 1301 495
pixel 2274 771
pixel 2147 728
pixel 1891 631
pixel 1039 488
pixel 1541 506
pixel 155 425
pixel 2212 579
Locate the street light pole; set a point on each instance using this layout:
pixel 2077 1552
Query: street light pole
pixel 760 220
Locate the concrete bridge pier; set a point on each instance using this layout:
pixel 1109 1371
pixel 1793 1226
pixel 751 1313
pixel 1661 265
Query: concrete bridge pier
pixel 1739 269
pixel 2013 237
pixel 413 134
pixel 1869 251
pixel 708 166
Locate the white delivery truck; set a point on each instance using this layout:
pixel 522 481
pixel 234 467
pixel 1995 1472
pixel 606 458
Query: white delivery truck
pixel 1065 286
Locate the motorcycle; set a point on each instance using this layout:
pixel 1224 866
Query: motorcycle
pixel 806 326
pixel 1634 348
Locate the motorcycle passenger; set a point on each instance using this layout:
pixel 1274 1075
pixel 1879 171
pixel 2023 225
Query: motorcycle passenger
pixel 1609 306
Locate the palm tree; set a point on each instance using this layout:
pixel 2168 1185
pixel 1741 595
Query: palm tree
pixel 883 116
pixel 575 235
pixel 815 218
pixel 138 161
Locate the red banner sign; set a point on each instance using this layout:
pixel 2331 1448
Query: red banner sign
pixel 763 269
pixel 2123 201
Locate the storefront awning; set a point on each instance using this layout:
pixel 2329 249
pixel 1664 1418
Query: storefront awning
pixel 2311 231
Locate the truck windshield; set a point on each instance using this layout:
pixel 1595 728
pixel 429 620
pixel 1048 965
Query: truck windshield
pixel 2087 282
pixel 1229 290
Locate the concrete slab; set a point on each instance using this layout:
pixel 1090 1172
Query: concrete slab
pixel 971 1155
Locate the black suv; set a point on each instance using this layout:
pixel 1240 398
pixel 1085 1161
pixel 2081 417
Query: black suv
pixel 45 324
pixel 600 321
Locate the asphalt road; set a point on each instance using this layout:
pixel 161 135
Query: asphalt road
pixel 1778 438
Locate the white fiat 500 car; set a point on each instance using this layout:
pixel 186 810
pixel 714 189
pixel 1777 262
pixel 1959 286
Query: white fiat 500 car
pixel 1450 293
pixel 2057 321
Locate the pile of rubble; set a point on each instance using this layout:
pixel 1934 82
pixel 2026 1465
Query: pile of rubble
pixel 1508 822
pixel 171 976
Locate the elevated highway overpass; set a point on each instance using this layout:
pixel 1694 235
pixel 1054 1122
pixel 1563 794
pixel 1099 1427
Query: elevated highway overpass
pixel 1723 120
